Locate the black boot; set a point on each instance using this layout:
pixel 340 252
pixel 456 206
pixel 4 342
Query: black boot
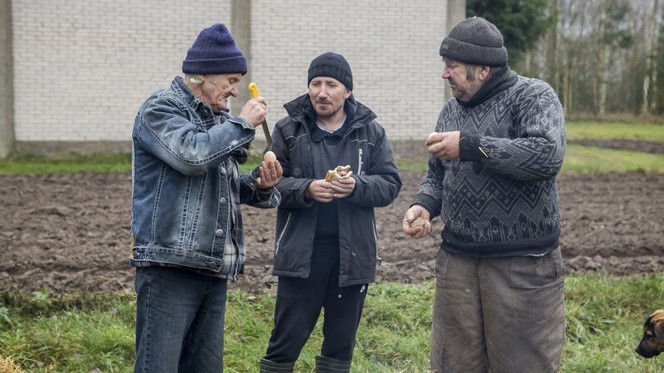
pixel 268 366
pixel 331 365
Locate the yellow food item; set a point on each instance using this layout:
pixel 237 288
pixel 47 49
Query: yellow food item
pixel 339 172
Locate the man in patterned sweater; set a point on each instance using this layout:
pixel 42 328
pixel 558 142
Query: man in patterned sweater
pixel 494 156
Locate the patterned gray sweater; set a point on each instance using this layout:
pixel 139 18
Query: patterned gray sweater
pixel 500 197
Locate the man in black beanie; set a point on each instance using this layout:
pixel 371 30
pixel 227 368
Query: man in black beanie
pixel 494 156
pixel 325 241
pixel 186 225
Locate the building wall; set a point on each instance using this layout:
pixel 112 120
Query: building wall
pixel 391 45
pixel 81 69
pixel 6 90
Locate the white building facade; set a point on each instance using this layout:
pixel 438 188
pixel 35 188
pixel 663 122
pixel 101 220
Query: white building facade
pixel 73 73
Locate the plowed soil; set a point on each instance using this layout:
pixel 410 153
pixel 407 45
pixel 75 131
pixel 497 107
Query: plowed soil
pixel 70 233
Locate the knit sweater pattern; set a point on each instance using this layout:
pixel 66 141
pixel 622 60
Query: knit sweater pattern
pixel 499 198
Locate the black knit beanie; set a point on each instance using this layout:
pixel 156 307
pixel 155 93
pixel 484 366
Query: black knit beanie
pixel 214 52
pixel 475 41
pixel 332 65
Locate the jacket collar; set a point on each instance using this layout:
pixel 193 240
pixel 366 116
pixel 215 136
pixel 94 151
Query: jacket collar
pixel 181 89
pixel 301 110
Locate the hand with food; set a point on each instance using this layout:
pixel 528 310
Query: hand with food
pixel 444 145
pixel 338 183
pixel 339 172
pixel 416 222
pixel 269 172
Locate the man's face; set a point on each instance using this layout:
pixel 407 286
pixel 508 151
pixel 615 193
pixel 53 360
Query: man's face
pixel 463 85
pixel 217 88
pixel 327 96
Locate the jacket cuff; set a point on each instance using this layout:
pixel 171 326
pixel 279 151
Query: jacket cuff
pixel 469 148
pixel 243 123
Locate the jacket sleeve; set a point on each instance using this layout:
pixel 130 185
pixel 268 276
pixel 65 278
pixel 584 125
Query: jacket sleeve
pixel 165 130
pixel 291 188
pixel 537 150
pixel 252 196
pixel 380 185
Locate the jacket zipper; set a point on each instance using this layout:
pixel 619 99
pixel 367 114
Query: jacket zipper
pixel 359 161
pixel 281 235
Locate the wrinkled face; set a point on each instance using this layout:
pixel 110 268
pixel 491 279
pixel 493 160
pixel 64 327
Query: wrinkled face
pixel 328 96
pixel 464 83
pixel 217 88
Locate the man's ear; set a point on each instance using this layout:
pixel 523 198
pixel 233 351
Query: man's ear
pixel 483 72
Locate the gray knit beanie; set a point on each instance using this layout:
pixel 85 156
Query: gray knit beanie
pixel 332 65
pixel 475 41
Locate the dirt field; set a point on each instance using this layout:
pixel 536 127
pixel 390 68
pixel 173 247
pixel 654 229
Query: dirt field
pixel 71 232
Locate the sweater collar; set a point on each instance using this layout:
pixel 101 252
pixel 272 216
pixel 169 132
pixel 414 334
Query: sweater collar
pixel 500 81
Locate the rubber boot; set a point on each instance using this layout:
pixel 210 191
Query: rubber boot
pixel 330 365
pixel 268 366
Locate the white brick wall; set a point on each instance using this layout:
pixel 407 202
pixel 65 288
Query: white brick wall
pixel 82 68
pixel 391 45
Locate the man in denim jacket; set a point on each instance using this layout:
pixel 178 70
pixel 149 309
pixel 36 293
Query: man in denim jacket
pixel 186 195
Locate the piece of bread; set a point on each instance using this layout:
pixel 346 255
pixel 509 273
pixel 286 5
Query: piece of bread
pixel 339 172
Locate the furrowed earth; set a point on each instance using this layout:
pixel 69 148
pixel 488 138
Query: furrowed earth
pixel 70 232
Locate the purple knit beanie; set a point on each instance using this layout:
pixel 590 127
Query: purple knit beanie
pixel 214 52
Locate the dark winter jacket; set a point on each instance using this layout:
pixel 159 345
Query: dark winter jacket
pixel 500 197
pixel 366 149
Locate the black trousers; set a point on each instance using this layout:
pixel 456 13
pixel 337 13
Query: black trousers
pixel 299 303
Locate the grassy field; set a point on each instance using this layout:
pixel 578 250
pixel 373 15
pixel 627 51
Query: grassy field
pixel 577 159
pixel 83 332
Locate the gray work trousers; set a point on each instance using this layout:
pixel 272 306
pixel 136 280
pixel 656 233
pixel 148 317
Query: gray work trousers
pixel 498 314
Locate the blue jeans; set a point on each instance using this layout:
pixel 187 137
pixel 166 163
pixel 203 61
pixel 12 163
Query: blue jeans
pixel 179 321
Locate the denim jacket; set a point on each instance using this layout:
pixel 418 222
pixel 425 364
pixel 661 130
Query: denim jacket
pixel 186 188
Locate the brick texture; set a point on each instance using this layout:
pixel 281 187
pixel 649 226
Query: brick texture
pixel 82 68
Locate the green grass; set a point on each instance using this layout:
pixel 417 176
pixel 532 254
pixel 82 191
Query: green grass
pixel 587 159
pixel 77 333
pixel 614 131
pixel 578 158
pixel 66 163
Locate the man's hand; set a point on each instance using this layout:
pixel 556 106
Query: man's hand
pixel 343 187
pixel 254 111
pixel 269 174
pixel 416 222
pixel 444 145
pixel 326 191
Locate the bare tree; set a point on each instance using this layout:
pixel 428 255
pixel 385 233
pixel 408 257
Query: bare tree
pixel 651 36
